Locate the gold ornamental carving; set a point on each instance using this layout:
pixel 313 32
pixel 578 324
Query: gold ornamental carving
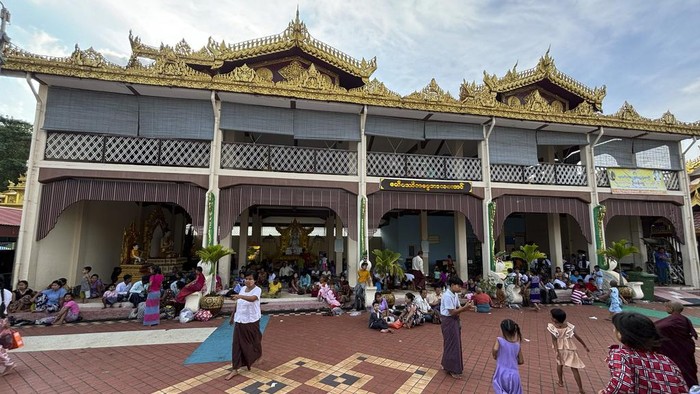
pixel 292 71
pixel 627 112
pixel 433 93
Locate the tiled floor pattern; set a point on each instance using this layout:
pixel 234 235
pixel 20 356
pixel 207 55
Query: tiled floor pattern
pixel 352 374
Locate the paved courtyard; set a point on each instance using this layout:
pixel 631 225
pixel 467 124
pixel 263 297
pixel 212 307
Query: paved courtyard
pixel 302 353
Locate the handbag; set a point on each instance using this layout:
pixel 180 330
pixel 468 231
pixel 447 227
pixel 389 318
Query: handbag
pixel 11 339
pixel 396 325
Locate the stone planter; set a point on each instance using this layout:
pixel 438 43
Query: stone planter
pixel 637 288
pixel 212 303
pixel 626 292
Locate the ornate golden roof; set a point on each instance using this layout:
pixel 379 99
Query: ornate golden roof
pixel 180 66
pixel 215 54
pixel 545 70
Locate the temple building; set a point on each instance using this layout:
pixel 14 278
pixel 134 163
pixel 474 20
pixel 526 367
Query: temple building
pixel 285 148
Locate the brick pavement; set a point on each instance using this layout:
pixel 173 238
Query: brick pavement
pixel 317 354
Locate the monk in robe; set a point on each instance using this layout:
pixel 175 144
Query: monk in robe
pixel 678 344
pixel 194 286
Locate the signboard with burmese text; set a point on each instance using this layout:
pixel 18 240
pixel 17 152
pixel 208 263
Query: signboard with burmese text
pixel 424 186
pixel 636 181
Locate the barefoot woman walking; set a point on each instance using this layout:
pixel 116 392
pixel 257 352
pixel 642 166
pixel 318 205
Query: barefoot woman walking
pixel 247 347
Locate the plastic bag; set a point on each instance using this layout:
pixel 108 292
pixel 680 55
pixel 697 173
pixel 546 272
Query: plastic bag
pixel 186 316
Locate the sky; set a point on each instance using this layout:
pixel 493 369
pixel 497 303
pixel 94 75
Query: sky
pixel 646 52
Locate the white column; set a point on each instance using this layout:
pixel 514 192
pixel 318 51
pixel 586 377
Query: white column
pixel 424 242
pixel 690 247
pixel 353 258
pixel 486 248
pixel 339 239
pixel 636 234
pixel 461 245
pixel 257 230
pixel 27 246
pixel 225 262
pixel 330 239
pixel 243 240
pixel 555 249
pixel 587 158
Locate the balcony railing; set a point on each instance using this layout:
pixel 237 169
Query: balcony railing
pixel 98 148
pixel 670 178
pixel 423 166
pixel 288 159
pixel 542 174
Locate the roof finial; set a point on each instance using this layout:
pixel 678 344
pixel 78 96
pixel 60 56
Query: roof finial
pixel 297 19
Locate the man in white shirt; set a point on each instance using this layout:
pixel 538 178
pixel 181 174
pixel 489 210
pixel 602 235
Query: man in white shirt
pixel 417 270
pixel 123 288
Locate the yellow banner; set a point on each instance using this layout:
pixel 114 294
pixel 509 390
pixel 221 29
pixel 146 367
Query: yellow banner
pixel 633 181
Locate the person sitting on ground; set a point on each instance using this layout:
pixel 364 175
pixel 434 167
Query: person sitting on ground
pixel 110 297
pixel 123 289
pixel 434 299
pixel 325 293
pixel 21 298
pixel 471 286
pixel 275 289
pixel 411 316
pixel 429 314
pixel 558 274
pixel 345 294
pixel 482 301
pixel 578 294
pixel 96 286
pixel 575 277
pixel 500 296
pixel 137 293
pixel 304 283
pixel 591 289
pixel 192 287
pixel 294 284
pixel 51 299
pixel 383 305
pixel 70 311
pixel 376 320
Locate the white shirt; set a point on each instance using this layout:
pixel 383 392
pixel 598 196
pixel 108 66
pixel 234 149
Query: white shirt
pixel 137 287
pixel 123 288
pixel 422 304
pixel 246 311
pixel 449 301
pixel 417 263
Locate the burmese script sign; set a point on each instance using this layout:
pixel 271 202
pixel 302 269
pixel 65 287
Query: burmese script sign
pixel 424 186
pixel 636 181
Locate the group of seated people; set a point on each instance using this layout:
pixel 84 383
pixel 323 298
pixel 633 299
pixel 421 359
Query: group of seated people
pixel 419 308
pixel 56 298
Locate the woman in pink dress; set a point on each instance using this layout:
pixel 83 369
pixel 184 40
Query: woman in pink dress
pixel 151 316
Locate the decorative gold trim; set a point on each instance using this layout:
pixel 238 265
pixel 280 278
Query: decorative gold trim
pixel 432 93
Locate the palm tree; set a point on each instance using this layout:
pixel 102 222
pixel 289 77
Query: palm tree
pixel 616 252
pixel 386 263
pixel 212 254
pixel 528 253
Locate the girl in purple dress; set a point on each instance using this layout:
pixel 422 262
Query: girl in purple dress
pixel 506 351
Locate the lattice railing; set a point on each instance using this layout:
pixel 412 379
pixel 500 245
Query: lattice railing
pixel 542 174
pixel 99 148
pixel 423 166
pixel 670 178
pixel 288 159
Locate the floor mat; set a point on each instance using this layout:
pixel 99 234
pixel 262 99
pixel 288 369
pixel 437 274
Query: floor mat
pixel 217 347
pixel 692 301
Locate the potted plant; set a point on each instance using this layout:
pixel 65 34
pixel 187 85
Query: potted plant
pixel 210 256
pixel 528 253
pixel 386 264
pixel 613 254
